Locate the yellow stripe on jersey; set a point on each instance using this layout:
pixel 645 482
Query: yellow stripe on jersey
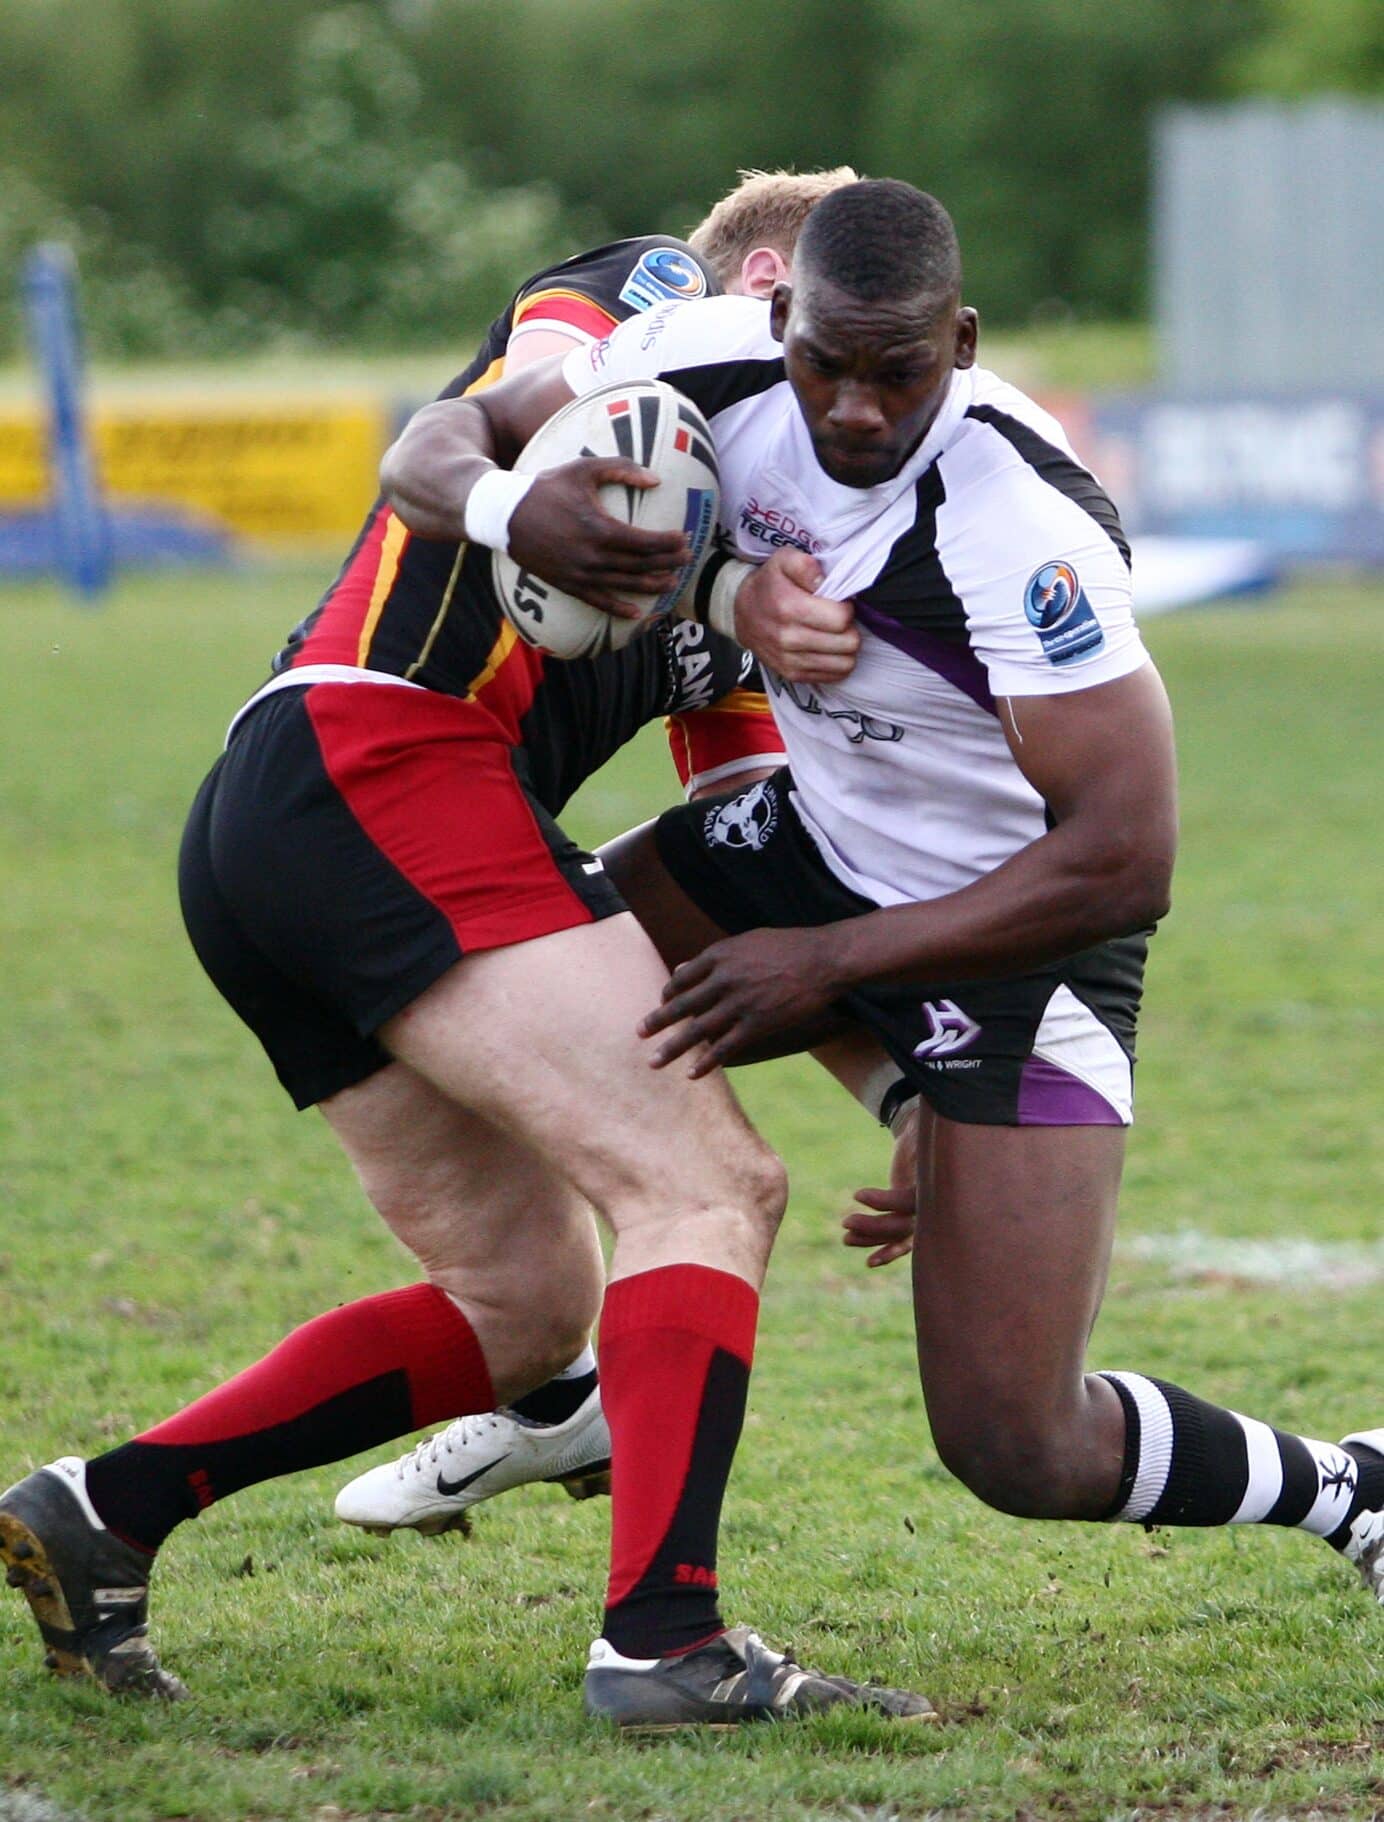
pixel 391 550
pixel 488 378
pixel 501 649
pixel 739 702
pixel 560 294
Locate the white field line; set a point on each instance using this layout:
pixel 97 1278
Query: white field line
pixel 1262 1259
pixel 28 1806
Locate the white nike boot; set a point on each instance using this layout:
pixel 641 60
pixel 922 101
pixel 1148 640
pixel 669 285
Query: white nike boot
pixel 431 1488
pixel 1365 1545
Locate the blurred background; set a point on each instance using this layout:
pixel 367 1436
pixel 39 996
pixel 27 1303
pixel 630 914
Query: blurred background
pixel 291 219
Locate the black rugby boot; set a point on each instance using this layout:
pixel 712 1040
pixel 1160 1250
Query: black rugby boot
pixel 734 1679
pixel 89 1591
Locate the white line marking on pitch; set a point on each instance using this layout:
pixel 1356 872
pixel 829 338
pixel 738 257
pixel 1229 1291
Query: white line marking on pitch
pixel 1260 1259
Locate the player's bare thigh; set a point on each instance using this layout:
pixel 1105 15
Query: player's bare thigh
pixel 540 1038
pixel 1009 1266
pixel 489 1222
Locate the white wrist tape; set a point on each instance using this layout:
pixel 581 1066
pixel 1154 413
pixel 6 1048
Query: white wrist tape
pixel 902 1114
pixel 490 506
pixel 876 1085
pixel 720 610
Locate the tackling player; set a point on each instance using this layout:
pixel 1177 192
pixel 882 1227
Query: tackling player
pixel 373 877
pixel 558 1432
pixel 975 837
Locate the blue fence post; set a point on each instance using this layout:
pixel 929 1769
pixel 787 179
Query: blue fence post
pixel 81 529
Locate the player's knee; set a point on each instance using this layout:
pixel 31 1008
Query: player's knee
pixel 743 1181
pixel 757 1193
pixel 553 1350
pixel 726 1203
pixel 766 1186
pixel 1007 1460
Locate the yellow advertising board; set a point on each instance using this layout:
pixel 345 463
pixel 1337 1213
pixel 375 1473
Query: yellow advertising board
pixel 278 472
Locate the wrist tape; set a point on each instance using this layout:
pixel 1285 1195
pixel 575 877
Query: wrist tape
pixel 714 600
pixel 490 506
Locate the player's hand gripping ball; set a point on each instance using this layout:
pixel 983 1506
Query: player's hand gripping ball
pixel 647 422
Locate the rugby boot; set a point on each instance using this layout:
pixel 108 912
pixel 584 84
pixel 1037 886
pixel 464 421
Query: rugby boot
pixel 432 1488
pixel 734 1679
pixel 89 1591
pixel 1364 1545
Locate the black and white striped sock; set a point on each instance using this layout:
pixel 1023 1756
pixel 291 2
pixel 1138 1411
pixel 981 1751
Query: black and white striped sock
pixel 1192 1463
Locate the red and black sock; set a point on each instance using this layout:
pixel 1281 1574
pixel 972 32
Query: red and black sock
pixel 347 1380
pixel 676 1347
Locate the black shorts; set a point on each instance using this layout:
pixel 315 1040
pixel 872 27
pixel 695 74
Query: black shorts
pixel 350 845
pixel 1054 1047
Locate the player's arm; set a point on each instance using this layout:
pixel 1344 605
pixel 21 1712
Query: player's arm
pixel 776 613
pixel 726 741
pixel 1101 759
pixel 446 477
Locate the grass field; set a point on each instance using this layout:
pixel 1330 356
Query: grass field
pixel 165 1217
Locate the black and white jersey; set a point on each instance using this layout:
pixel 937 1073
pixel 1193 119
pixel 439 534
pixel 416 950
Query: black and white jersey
pixel 993 565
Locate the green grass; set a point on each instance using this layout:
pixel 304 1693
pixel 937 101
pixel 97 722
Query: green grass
pixel 164 1217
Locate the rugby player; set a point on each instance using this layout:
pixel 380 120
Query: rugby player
pixel 974 838
pixel 558 1431
pixel 373 877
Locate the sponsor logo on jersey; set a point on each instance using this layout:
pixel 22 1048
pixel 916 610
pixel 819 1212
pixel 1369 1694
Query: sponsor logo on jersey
pixel 1056 607
pixel 949 1030
pixel 696 686
pixel 779 530
pixel 856 726
pixel 663 275
pixel 746 822
pixel 654 325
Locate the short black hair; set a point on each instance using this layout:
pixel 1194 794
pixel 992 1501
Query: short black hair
pixel 881 239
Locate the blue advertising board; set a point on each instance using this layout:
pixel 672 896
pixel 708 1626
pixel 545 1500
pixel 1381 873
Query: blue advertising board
pixel 81 530
pixel 1303 475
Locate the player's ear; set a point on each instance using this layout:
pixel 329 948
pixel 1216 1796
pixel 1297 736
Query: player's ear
pixel 779 306
pixel 967 331
pixel 761 269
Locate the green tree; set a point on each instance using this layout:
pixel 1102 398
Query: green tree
pixel 1312 46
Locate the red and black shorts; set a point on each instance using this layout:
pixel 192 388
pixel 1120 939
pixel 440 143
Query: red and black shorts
pixel 350 845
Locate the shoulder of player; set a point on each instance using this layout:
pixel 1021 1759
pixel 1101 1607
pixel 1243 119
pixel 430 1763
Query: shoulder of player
pixel 628 276
pixel 1011 462
pixel 998 404
pixel 720 348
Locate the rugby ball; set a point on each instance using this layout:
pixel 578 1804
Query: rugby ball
pixel 646 421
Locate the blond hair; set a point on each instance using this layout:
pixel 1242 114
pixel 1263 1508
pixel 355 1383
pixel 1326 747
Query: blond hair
pixel 765 209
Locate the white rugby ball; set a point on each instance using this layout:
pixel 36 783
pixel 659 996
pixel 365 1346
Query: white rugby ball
pixel 648 422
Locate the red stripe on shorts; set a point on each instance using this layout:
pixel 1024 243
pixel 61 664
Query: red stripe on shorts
pixel 428 777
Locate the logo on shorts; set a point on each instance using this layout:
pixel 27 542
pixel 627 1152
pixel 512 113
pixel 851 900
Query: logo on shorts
pixel 663 275
pixel 1056 607
pixel 746 822
pixel 949 1030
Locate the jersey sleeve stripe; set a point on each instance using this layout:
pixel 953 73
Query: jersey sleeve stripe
pixel 488 378
pixel 680 746
pixel 503 646
pixel 564 309
pixel 392 548
pixel 1057 468
pixel 740 702
pixel 718 386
